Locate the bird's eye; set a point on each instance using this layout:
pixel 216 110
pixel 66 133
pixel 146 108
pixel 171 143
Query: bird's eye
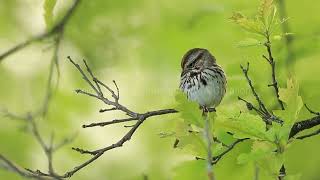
pixel 192 64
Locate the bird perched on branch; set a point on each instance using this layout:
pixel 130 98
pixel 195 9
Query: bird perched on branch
pixel 202 79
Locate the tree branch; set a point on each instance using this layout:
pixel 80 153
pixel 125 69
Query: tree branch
pixel 57 32
pixel 57 29
pixel 272 63
pixel 262 110
pixel 303 125
pixel 96 85
pixel 48 149
pixel 11 166
pixel 262 107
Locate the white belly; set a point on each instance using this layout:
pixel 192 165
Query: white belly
pixel 209 95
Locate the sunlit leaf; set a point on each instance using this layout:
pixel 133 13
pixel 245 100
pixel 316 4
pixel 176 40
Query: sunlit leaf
pixel 189 140
pixel 217 149
pixel 189 111
pixel 263 154
pixel 293 104
pixel 223 136
pixel 242 124
pixel 250 25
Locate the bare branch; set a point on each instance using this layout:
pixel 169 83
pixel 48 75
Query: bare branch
pixel 10 166
pixel 118 93
pixel 105 110
pixel 272 63
pixel 109 122
pixel 261 104
pixel 29 119
pixel 139 117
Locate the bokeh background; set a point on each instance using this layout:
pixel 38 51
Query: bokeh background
pixel 139 44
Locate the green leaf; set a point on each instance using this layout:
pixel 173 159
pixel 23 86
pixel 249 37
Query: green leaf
pixel 242 125
pixel 262 153
pixel 224 137
pixel 48 7
pixel 217 148
pixel 259 149
pixel 293 104
pixel 189 111
pixel 189 140
pixel 249 42
pixel 166 134
pixel 191 170
pixel 281 36
pixel 247 24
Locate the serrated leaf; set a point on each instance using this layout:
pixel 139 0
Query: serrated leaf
pixel 224 137
pixel 217 148
pixel 262 153
pixel 189 140
pixel 190 170
pixel 293 104
pixel 259 149
pixel 189 111
pixel 48 7
pixel 249 42
pixel 242 125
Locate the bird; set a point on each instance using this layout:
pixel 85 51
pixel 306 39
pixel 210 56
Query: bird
pixel 202 79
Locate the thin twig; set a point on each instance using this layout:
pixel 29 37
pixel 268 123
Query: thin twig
pixel 311 111
pixel 262 107
pixel 139 117
pixel 109 122
pixel 309 135
pixel 215 159
pixel 250 107
pixel 9 165
pixel 272 63
pixel 105 110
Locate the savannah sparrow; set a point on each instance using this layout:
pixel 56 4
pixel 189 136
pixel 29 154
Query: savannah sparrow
pixel 202 79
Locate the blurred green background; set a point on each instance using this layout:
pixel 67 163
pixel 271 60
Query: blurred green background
pixel 139 43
